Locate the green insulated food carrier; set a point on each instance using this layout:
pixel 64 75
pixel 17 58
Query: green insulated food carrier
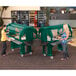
pixel 21 37
pixel 46 32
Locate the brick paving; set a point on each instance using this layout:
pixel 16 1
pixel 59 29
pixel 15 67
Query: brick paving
pixel 13 60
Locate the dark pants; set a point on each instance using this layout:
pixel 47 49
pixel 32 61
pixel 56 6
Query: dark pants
pixel 4 47
pixel 65 50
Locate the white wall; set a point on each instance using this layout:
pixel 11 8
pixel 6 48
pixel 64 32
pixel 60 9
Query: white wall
pixel 7 13
pixel 72 23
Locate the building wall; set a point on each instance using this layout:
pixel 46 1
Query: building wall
pixel 7 13
pixel 56 22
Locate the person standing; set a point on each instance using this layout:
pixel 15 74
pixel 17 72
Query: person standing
pixel 64 38
pixel 3 40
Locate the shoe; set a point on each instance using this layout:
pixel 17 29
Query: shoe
pixel 22 55
pixel 51 57
pixel 12 50
pixel 3 55
pixel 44 54
pixel 30 53
pixel 63 59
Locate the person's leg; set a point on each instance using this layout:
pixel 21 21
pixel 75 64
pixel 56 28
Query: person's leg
pixel 29 49
pixel 49 51
pixel 4 47
pixel 60 47
pixel 44 50
pixel 67 54
pixel 65 51
pixel 22 49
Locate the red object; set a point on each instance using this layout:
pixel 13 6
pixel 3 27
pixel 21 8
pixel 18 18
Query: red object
pixel 35 12
pixel 35 19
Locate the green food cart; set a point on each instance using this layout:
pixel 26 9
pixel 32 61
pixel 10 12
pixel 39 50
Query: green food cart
pixel 21 36
pixel 48 40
